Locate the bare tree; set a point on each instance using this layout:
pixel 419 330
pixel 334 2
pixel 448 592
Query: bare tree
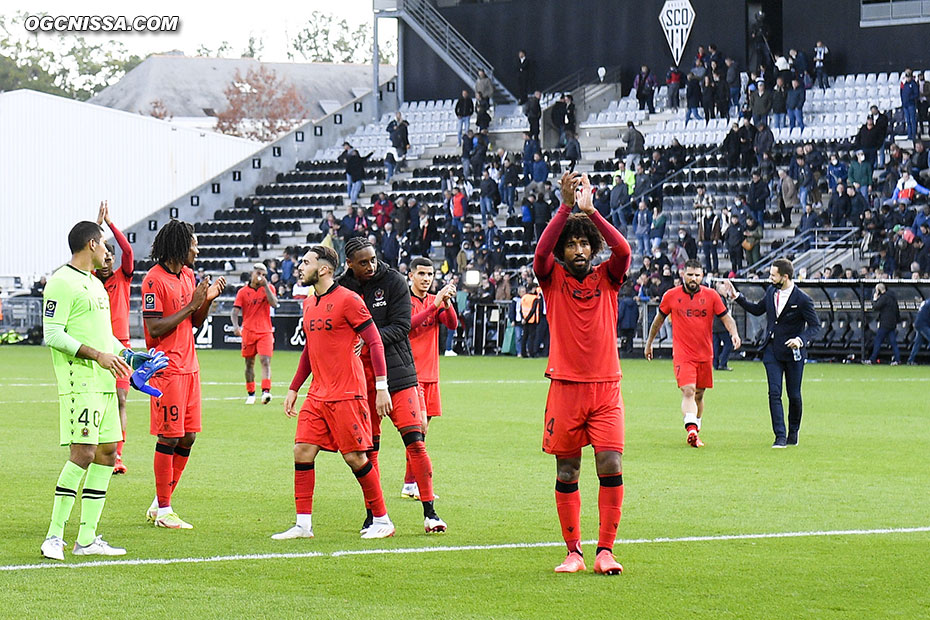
pixel 261 106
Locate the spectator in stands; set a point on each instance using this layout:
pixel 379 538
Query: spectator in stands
pixel 467 146
pixel 533 112
pixel 693 97
pixel 645 86
pixel 923 104
pixel 733 83
pixel 400 139
pixel 731 147
pixel 839 206
pixel 779 102
pixel 659 224
pixel 917 163
pixel 820 70
pixel 760 103
pixel 572 150
pixel 635 144
pixel 526 76
pixel 805 179
pixel 464 108
pixel 721 95
pixel 882 262
pixel 794 103
pixel 642 226
pixel 494 242
pixel 910 95
pixel 530 148
pixel 480 151
pixel 557 120
pixel 488 191
pixel 390 245
pixel 38 288
pixel 287 268
pixel 860 173
pixel 758 196
pixel 906 190
pixel 259 226
pixel 425 234
pixel 510 178
pixel 459 208
pixel 789 197
pixel 747 137
pixel 881 123
pixel 799 65
pixel 482 113
pixel 382 210
pixel 752 241
pixel 539 173
pixel 526 217
pixel 763 142
pixel 809 219
pixel 920 218
pixel 709 236
pixel 922 331
pixel 708 94
pixel 687 243
pixel 354 224
pixel 483 85
pixel 885 305
pixel 699 69
pixel 570 120
pixel 542 213
pixel 674 78
pixel 451 243
pixel 619 198
pixel 837 171
pixel 530 311
pixel 658 171
pixel 857 205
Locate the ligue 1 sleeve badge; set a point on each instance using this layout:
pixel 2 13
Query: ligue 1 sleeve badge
pixel 148 301
pixel 50 308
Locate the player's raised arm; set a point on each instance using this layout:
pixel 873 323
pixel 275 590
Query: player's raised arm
pixel 543 259
pixel 127 261
pixel 270 294
pixel 620 254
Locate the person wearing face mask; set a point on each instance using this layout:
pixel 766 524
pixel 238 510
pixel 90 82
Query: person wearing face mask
pixel 792 324
pixel 686 241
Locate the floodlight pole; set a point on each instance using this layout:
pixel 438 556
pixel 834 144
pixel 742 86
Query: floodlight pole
pixel 375 65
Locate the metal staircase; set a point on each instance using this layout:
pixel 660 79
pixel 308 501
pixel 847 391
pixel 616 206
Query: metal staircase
pixel 423 18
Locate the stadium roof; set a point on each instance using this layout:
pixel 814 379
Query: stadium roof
pixel 192 87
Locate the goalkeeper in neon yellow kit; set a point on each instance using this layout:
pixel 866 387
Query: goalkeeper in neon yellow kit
pixel 87 359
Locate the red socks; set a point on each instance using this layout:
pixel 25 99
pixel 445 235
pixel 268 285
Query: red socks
pixel 250 387
pixel 164 454
pixel 178 463
pixel 119 446
pixel 609 504
pixel 408 475
pixel 421 467
pixel 304 481
pixel 568 505
pixel 266 385
pixel 367 478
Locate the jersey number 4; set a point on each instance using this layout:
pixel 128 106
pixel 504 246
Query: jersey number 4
pixel 550 426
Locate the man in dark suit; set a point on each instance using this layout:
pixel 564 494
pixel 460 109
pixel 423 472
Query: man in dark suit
pixel 792 324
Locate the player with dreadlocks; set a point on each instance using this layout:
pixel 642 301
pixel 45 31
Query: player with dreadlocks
pixel 172 306
pixel 388 299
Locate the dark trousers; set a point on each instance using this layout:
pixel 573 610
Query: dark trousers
pixel 711 260
pixel 880 337
pixel 792 372
pixel 534 127
pixel 530 345
pixel 723 346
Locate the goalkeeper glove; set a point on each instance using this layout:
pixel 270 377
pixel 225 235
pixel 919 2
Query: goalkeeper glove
pixel 135 360
pixel 140 378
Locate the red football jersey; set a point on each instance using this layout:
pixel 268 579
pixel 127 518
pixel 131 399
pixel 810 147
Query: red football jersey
pixel 692 319
pixel 164 294
pixel 331 325
pixel 117 286
pixel 256 311
pixel 424 339
pixel 582 319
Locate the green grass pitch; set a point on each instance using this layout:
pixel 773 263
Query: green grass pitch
pixel 861 465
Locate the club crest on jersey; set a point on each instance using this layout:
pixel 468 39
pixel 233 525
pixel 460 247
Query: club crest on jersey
pixel 148 302
pixel 379 298
pixel 50 308
pixel 329 307
pixel 85 432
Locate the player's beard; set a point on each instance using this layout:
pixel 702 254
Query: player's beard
pixel 312 278
pixel 579 269
pixel 694 288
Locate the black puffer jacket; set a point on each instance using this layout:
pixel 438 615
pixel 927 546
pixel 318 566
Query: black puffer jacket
pixel 388 299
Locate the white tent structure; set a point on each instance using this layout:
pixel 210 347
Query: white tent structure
pixel 59 158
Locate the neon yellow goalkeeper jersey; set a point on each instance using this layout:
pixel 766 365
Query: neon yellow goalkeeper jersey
pixel 76 311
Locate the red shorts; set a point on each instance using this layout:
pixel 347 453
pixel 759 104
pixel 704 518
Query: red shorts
pixel 177 412
pixel 336 426
pixel 581 414
pixel 406 412
pixel 698 374
pixel 252 343
pixel 432 404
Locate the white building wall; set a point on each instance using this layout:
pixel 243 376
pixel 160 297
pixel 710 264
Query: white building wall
pixel 59 158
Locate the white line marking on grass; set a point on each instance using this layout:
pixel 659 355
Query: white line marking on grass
pixel 410 550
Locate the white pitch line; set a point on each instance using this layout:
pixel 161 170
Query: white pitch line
pixel 412 550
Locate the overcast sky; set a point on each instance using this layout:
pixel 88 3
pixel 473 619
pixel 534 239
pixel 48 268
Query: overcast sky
pixel 273 21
